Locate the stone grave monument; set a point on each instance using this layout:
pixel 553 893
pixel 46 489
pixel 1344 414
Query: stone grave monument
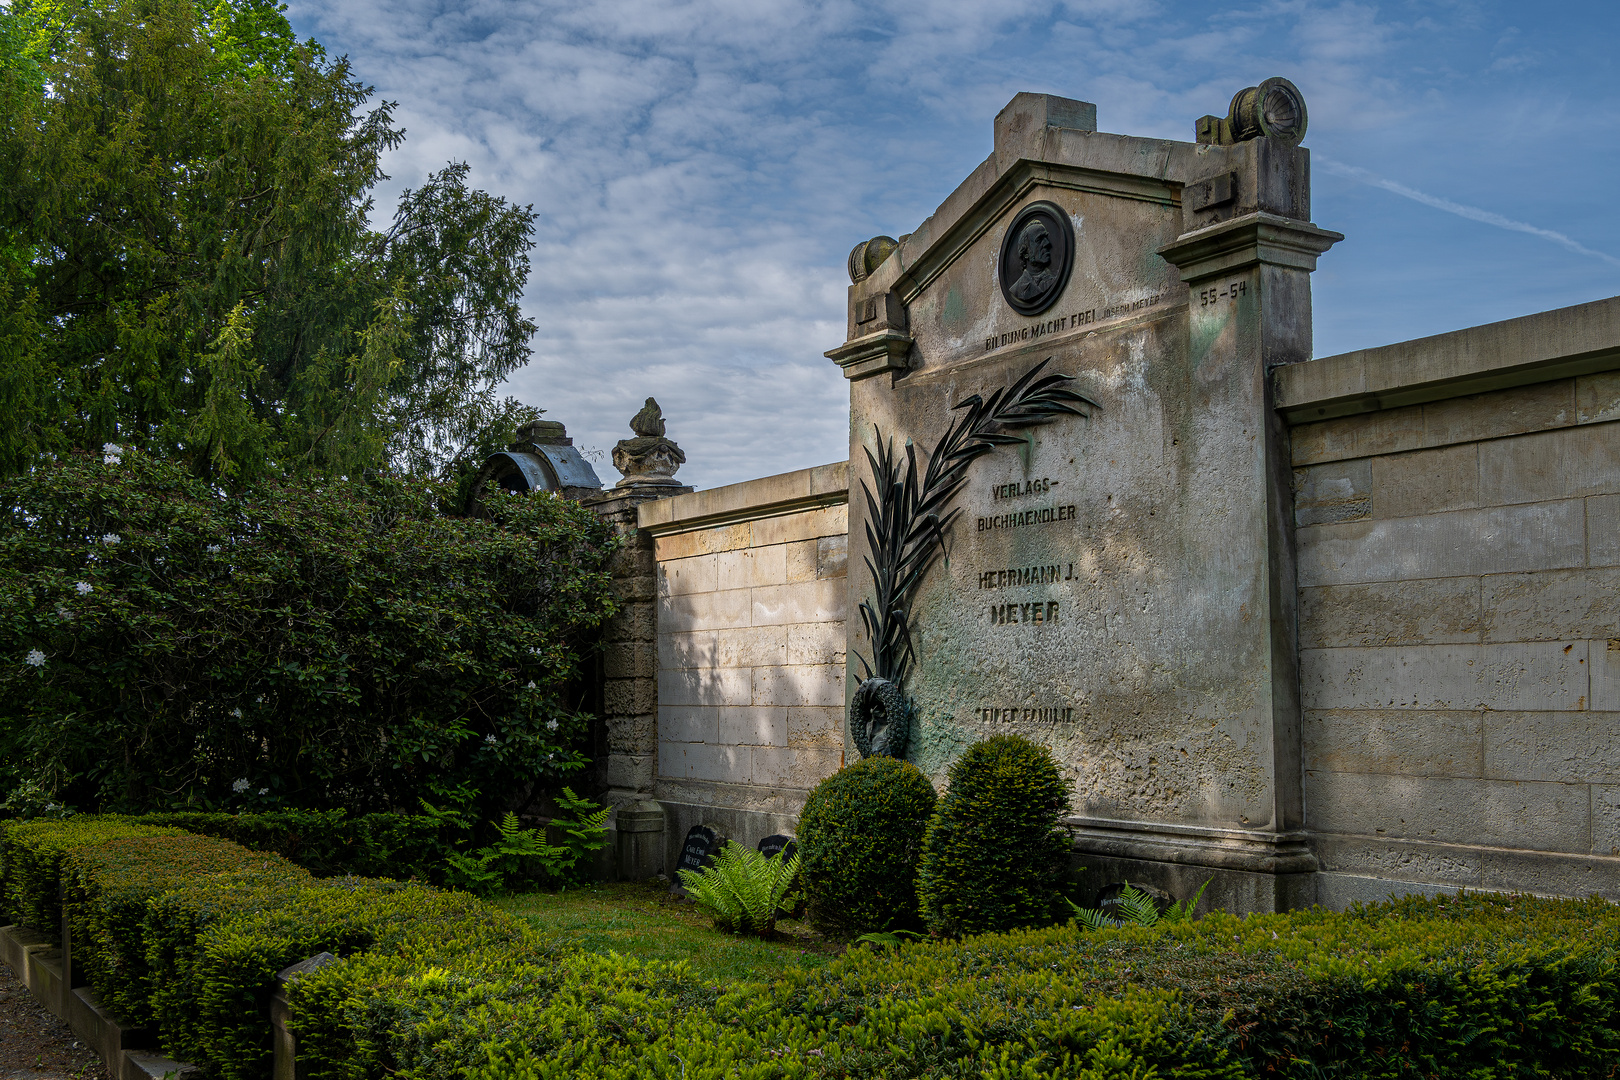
pixel 1067 471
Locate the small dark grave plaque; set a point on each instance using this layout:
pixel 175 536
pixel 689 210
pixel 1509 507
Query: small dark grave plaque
pixel 773 844
pixel 702 845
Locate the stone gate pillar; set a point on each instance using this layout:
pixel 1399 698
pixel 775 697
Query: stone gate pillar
pixel 628 752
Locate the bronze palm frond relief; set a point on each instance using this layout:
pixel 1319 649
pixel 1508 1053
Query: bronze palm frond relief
pixel 906 522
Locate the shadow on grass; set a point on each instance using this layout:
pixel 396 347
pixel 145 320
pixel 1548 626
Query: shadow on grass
pixel 640 919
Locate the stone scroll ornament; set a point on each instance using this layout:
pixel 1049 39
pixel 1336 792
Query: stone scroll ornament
pixel 906 521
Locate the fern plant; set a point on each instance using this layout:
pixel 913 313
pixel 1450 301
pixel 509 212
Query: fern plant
pixel 1136 908
pixel 743 891
pixel 520 854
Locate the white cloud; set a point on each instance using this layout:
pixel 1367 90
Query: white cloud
pixel 702 167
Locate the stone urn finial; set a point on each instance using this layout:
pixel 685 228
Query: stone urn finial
pixel 649 458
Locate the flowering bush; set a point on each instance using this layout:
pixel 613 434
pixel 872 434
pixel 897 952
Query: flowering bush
pixel 166 645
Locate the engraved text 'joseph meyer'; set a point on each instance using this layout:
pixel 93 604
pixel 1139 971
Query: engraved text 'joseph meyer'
pixel 1045 516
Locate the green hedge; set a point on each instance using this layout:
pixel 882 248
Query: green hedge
pixel 437 986
pixel 859 836
pixel 330 843
pixel 186 933
pixel 994 857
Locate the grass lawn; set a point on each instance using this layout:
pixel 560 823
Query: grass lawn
pixel 640 919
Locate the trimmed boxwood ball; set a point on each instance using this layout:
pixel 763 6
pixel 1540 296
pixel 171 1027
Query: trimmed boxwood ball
pixel 994 857
pixel 859 838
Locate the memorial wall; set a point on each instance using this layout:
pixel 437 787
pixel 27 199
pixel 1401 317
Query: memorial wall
pixel 1313 630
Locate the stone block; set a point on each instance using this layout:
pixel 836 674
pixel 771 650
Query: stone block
pixel 635 558
pixel 727 725
pixel 1389 431
pixel 807 602
pixel 705 686
pixel 42 973
pixel 1535 816
pixel 782 767
pixel 812 726
pixel 706 611
pixel 1597 397
pixel 804 525
pixel 832 556
pixel 152 1065
pixel 629 697
pixel 1499 413
pixel 705 761
pixel 1564 747
pixel 100 1030
pixel 1605 660
pixel 815 643
pixel 820 685
pixel 800 560
pixel 634 622
pixel 630 659
pixel 1551 605
pixel 748 567
pixel 631 734
pixel 1337 892
pixel 1335 491
pixel 1407 742
pixel 630 772
pixel 1459 543
pixel 1425 481
pixel 1431 612
pixel 1554 875
pixel 1400 860
pixel 633 589
pixel 1603 530
pixel 748 646
pixel 704 541
pixel 684 577
pixel 1542 676
pixel 1551 465
pixel 1606 819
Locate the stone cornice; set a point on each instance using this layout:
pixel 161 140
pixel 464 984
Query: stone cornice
pixel 1247 241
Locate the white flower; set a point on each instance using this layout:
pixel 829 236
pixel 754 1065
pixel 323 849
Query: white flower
pixel 84 588
pixel 264 791
pixel 492 740
pixel 36 658
pixel 530 686
pixel 213 549
pixel 259 700
pixel 551 725
pixel 239 786
pixel 237 712
pixel 110 538
pixel 111 453
pixel 63 613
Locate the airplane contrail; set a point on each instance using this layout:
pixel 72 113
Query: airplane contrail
pixel 1472 213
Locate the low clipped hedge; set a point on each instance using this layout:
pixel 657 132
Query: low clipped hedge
pixel 435 985
pixel 186 933
pixel 859 836
pixel 330 843
pixel 1481 986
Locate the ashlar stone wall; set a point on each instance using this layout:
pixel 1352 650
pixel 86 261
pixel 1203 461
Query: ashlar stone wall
pixel 1459 573
pixel 750 644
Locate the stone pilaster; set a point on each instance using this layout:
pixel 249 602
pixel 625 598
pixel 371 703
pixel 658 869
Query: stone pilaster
pixel 627 751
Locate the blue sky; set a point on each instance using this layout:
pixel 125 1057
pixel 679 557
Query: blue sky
pixel 702 168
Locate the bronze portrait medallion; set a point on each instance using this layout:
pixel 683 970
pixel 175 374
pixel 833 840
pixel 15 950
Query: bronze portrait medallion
pixel 1036 256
